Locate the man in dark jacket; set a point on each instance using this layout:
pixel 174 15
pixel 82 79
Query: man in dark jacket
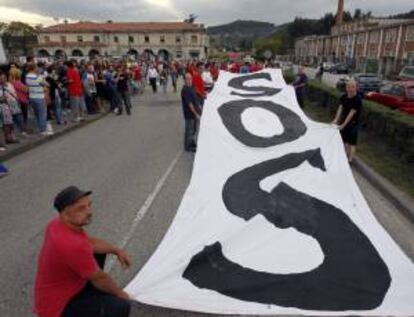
pixel 191 113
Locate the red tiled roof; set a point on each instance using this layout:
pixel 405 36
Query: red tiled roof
pixel 100 27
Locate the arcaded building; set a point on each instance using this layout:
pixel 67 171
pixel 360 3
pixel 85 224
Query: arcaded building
pixel 165 40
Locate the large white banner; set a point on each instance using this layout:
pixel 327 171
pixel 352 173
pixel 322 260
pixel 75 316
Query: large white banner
pixel 273 221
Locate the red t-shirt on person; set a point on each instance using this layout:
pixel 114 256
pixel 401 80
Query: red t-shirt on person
pixel 65 263
pixel 198 85
pixel 137 73
pixel 74 84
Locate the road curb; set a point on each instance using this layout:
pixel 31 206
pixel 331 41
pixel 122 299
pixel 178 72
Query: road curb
pixel 400 200
pixel 31 145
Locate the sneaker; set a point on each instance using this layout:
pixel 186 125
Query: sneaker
pixel 12 141
pixel 191 149
pixel 45 133
pixel 3 170
pixel 2 148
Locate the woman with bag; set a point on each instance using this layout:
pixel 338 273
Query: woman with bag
pixel 22 92
pixel 8 109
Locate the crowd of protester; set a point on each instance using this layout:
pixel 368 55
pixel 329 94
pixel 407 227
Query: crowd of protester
pixel 36 96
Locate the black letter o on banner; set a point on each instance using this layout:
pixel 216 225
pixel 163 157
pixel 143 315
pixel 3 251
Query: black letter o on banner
pixel 230 114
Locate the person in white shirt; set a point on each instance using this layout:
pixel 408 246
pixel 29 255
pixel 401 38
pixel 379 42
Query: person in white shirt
pixel 36 86
pixel 207 78
pixel 153 76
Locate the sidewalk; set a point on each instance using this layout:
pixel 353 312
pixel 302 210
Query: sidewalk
pixel 399 199
pixel 33 140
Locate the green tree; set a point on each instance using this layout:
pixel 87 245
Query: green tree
pixel 367 15
pixel 19 29
pixel 272 44
pixel 357 14
pixel 347 16
pixel 3 26
pixel 245 44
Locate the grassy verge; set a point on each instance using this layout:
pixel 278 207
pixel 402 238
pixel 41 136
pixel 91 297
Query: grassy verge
pixel 374 153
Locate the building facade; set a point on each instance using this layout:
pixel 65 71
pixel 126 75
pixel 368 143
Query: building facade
pixel 376 45
pixel 175 40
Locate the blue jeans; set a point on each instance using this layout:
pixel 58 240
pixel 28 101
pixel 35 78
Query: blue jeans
pixel 190 134
pixel 57 109
pixel 77 103
pixel 92 302
pixel 19 121
pixel 39 108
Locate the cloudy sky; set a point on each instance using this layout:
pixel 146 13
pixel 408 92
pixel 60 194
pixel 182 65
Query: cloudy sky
pixel 210 12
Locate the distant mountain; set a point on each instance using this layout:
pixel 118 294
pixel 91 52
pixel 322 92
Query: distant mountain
pixel 408 15
pixel 239 34
pixel 245 27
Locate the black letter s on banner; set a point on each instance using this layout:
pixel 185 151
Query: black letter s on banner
pixel 255 91
pixel 352 276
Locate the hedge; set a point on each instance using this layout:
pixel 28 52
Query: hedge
pixel 395 129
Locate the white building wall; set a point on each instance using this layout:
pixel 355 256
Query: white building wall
pixel 108 47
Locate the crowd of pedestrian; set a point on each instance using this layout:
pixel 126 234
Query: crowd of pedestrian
pixel 35 95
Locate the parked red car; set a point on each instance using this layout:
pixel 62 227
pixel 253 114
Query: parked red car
pixel 397 95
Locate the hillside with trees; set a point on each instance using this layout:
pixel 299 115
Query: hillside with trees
pixel 262 36
pixel 408 15
pixel 239 35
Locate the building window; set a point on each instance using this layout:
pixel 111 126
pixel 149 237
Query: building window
pixel 47 39
pixel 63 39
pixel 374 37
pixel 178 39
pixel 130 39
pixel 80 38
pixel 96 39
pixel 361 38
pixel 409 36
pixel 194 39
pixel 146 39
pixel 116 39
pixel 179 54
pixel 162 39
pixel 195 54
pixel 344 40
pixel 390 35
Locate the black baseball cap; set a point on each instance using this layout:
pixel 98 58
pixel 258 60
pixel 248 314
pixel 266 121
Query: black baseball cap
pixel 69 196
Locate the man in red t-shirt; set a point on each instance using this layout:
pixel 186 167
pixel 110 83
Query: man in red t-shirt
pixel 198 84
pixel 75 91
pixel 214 71
pixel 70 281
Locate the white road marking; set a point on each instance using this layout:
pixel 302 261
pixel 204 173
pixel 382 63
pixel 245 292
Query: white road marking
pixel 144 208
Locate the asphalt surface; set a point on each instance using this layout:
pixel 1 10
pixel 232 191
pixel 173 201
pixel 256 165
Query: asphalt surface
pixel 138 172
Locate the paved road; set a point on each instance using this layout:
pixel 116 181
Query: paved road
pixel 125 160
